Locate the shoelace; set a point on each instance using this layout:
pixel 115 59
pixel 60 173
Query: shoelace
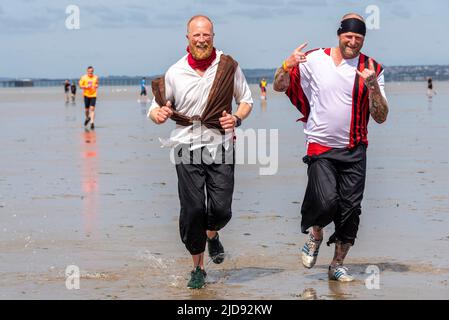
pixel 197 275
pixel 342 269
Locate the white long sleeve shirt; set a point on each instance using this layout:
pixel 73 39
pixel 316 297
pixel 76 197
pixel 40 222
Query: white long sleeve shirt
pixel 189 92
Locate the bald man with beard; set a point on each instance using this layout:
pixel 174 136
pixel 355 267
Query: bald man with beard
pixel 336 90
pixel 197 93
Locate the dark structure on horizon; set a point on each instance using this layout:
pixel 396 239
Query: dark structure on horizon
pixel 253 76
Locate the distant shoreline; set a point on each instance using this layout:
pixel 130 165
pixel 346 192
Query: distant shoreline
pixel 60 84
pixel 253 76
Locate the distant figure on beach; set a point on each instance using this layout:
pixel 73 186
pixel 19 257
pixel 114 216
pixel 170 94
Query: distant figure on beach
pixel 202 84
pixel 73 91
pixel 143 90
pixel 89 84
pixel 430 91
pixel 336 90
pixel 66 90
pixel 263 89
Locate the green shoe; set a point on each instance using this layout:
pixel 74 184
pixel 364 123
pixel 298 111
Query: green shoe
pixel 198 279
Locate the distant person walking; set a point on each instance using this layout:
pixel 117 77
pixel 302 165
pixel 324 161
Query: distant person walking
pixel 73 91
pixel 143 90
pixel 430 91
pixel 66 90
pixel 263 89
pixel 89 83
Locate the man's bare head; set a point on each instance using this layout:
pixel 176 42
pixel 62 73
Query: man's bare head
pixel 205 19
pixel 200 34
pixel 352 15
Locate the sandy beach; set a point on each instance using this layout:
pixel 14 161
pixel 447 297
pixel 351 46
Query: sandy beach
pixel 106 201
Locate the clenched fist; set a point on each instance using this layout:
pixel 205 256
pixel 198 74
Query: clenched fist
pixel 163 113
pixel 227 120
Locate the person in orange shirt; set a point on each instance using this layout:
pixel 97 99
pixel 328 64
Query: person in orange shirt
pixel 89 83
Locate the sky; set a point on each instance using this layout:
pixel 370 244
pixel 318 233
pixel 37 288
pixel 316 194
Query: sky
pixel 130 37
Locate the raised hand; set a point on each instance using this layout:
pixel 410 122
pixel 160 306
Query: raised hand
pixel 369 75
pixel 296 57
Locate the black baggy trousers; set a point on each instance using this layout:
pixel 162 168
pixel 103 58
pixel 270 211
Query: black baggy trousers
pixel 205 188
pixel 334 192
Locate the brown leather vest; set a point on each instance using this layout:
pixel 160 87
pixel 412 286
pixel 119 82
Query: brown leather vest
pixel 219 99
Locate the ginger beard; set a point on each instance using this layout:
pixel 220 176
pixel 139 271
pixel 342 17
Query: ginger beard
pixel 201 51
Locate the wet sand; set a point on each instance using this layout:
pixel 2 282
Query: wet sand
pixel 106 201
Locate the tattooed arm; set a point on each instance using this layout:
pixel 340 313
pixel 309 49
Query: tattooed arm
pixel 378 106
pixel 281 80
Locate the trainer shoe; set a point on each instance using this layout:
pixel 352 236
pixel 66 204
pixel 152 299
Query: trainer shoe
pixel 197 278
pixel 86 121
pixel 339 273
pixel 92 126
pixel 309 252
pixel 216 250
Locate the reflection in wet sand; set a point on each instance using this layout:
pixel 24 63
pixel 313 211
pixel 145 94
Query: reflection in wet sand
pixel 239 275
pixel 309 294
pixel 263 105
pixel 89 179
pixel 144 107
pixel 138 254
pixel 339 290
pixel 429 104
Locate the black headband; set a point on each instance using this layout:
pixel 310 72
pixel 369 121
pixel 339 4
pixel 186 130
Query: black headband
pixel 352 25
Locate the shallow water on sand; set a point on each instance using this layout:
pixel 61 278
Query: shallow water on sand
pixel 106 201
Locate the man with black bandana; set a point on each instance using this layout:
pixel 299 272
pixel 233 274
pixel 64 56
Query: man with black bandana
pixel 336 90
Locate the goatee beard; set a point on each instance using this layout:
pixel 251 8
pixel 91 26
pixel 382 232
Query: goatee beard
pixel 201 53
pixel 348 53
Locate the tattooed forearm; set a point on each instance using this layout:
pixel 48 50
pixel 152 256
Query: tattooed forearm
pixel 378 106
pixel 281 80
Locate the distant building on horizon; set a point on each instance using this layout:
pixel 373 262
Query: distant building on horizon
pixel 19 83
pixel 253 76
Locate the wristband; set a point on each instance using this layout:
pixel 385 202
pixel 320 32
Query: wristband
pixel 284 67
pixel 238 122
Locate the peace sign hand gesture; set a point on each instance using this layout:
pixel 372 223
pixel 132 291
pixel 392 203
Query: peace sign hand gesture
pixel 296 57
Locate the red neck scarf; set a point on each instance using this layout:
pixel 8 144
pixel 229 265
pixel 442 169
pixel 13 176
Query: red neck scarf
pixel 201 64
